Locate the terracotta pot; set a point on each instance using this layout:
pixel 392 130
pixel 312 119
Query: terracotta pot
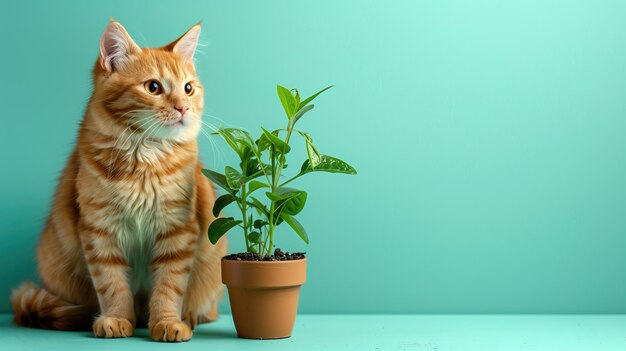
pixel 264 296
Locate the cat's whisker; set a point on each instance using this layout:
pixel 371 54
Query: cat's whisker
pixel 129 126
pixel 122 134
pixel 210 126
pixel 156 132
pixel 218 151
pixel 115 148
pixel 207 134
pixel 134 123
pixel 147 136
pixel 135 111
pixel 216 118
pixel 214 128
pixel 144 121
pixel 213 144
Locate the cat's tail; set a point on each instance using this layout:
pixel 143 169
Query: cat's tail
pixel 38 308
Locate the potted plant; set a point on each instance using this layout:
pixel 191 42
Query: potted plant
pixel 264 282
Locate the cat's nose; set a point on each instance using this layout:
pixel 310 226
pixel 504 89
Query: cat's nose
pixel 181 109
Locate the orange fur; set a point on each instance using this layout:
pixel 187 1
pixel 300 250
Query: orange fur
pixel 126 239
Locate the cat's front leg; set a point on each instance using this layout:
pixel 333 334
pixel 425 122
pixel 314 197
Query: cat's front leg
pixel 109 272
pixel 174 252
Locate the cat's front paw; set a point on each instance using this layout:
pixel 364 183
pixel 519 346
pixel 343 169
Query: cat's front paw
pixel 170 330
pixel 191 319
pixel 112 327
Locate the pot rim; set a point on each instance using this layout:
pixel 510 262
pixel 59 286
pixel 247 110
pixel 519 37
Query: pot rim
pixel 263 274
pixel 263 262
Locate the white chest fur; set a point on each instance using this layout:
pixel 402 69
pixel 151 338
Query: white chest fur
pixel 142 202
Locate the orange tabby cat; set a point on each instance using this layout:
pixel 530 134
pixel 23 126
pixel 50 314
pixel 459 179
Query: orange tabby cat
pixel 126 241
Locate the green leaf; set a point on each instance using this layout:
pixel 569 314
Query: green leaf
pixel 301 112
pixel 273 196
pixel 285 192
pixel 263 143
pixel 222 202
pixel 238 139
pixel 254 237
pixel 293 205
pixel 282 194
pixel 253 168
pixel 287 100
pixel 233 178
pixel 296 95
pixel 229 140
pixel 288 200
pixel 220 226
pixel 240 136
pixel 255 185
pixel 259 223
pixel 296 226
pixel 258 205
pixel 310 98
pixel 328 164
pixel 218 179
pixel 279 144
pixel 314 155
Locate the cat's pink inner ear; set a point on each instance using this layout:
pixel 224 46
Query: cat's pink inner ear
pixel 116 46
pixel 186 44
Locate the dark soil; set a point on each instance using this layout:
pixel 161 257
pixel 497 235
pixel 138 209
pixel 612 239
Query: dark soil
pixel 278 255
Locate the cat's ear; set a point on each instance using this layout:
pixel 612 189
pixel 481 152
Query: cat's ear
pixel 116 46
pixel 186 45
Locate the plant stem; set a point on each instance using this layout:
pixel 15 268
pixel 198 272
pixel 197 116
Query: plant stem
pixel 289 180
pixel 276 172
pixel 244 214
pixel 271 235
pixel 270 232
pixel 264 246
pixel 281 163
pixel 258 157
pixel 259 249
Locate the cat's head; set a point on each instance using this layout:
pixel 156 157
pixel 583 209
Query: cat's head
pixel 151 92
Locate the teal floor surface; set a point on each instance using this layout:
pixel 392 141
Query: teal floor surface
pixel 363 332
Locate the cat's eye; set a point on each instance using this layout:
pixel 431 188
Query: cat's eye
pixel 154 87
pixel 188 88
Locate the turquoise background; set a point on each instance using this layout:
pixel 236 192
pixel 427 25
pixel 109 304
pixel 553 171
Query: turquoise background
pixel 489 137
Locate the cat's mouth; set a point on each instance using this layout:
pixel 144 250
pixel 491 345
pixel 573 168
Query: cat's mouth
pixel 174 121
